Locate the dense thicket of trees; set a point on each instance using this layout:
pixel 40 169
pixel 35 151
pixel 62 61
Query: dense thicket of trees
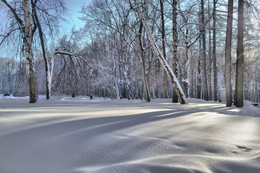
pixel 112 56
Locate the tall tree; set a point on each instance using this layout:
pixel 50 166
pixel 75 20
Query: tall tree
pixel 175 45
pixel 204 61
pixel 239 102
pixel 57 8
pixel 28 50
pixel 44 53
pixel 164 63
pixel 142 59
pixel 165 82
pixel 27 31
pixel 214 58
pixel 228 47
pixel 209 52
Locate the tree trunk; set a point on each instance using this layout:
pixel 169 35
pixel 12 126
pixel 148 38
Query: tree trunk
pixel 204 62
pixel 240 56
pixel 228 55
pixel 209 55
pixel 215 70
pixel 198 76
pixel 175 46
pixel 142 59
pixel 46 62
pixel 165 81
pixel 28 51
pixel 164 63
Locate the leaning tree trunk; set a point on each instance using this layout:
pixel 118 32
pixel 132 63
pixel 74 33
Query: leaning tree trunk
pixel 240 57
pixel 28 51
pixel 228 54
pixel 163 62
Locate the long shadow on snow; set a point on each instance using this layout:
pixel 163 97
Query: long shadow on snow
pixel 90 127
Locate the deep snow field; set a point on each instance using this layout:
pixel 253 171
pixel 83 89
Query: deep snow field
pixel 79 135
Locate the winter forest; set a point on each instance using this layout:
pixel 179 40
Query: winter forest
pixel 126 47
pixel 129 86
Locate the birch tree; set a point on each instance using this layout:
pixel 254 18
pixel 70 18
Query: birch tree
pixel 27 31
pixel 28 50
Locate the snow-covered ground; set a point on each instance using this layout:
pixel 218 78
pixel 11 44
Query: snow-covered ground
pixel 108 136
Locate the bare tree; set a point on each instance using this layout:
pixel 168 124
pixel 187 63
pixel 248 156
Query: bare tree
pixel 164 63
pixel 59 8
pixel 142 59
pixel 204 61
pixel 228 54
pixel 239 92
pixel 175 45
pixel 165 82
pixel 214 61
pixel 44 53
pixel 27 30
pixel 28 50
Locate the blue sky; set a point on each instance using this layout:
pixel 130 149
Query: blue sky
pixel 74 7
pixel 72 20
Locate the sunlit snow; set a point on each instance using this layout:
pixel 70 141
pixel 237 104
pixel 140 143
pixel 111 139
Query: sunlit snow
pixel 127 136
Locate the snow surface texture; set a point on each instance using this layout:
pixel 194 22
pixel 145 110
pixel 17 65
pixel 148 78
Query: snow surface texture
pixel 104 136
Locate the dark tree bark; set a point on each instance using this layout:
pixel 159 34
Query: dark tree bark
pixel 198 76
pixel 41 36
pixel 215 70
pixel 175 46
pixel 209 53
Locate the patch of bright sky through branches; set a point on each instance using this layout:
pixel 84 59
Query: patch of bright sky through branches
pixel 74 7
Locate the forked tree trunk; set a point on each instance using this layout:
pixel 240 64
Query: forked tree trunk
pixel 164 63
pixel 28 51
pixel 228 54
